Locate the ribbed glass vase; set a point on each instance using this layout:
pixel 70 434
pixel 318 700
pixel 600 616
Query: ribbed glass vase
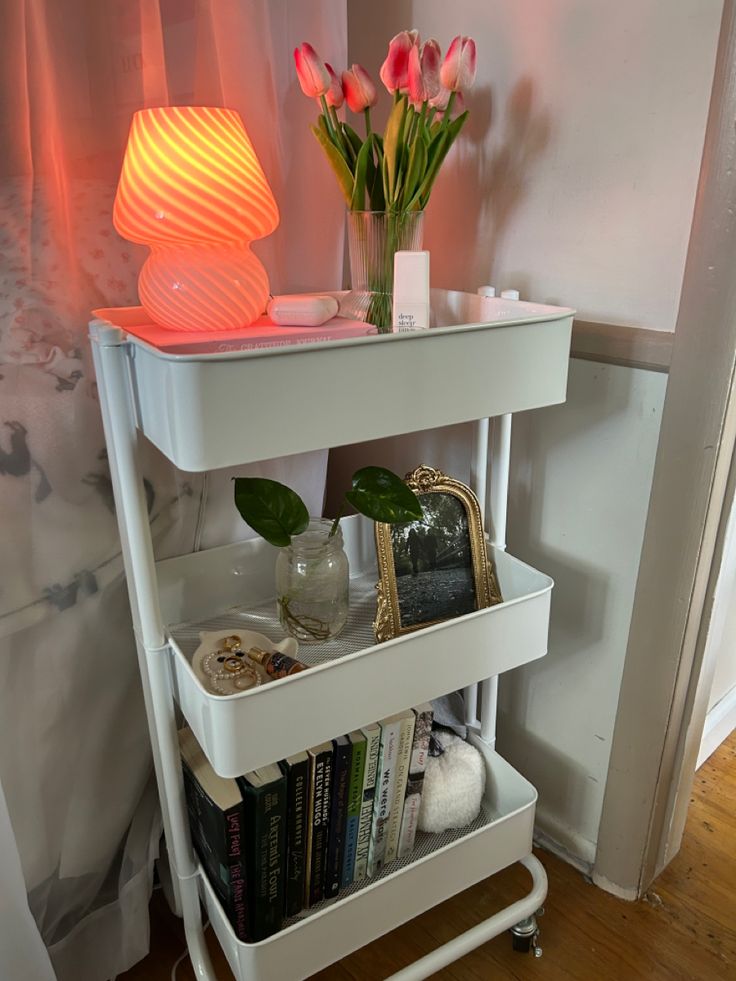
pixel 373 238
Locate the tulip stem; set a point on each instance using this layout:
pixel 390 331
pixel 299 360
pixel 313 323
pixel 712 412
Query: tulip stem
pixel 448 110
pixel 367 114
pixel 345 145
pixel 328 120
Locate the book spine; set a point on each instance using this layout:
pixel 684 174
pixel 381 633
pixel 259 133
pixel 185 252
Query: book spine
pixel 265 815
pixel 385 778
pixel 296 832
pixel 310 830
pixel 217 837
pixel 338 817
pixel 320 826
pixel 403 759
pixel 372 747
pixel 236 869
pixel 413 797
pixel 275 815
pixel 355 794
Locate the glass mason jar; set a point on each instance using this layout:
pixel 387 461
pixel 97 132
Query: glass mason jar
pixel 312 584
pixel 373 238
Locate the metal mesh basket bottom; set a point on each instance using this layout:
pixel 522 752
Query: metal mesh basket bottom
pixel 357 635
pixel 425 844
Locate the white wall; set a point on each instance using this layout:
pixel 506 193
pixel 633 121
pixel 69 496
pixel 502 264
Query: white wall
pixel 577 177
pixel 577 185
pixel 579 495
pixel 580 478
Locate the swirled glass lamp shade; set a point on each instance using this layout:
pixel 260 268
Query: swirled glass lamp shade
pixel 192 188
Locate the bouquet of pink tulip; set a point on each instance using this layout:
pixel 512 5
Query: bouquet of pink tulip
pixel 394 172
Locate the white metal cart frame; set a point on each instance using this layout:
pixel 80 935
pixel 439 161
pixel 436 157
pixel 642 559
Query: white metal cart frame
pixel 504 357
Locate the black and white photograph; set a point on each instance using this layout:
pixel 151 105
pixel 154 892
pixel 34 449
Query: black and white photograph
pixel 433 562
pixel 436 568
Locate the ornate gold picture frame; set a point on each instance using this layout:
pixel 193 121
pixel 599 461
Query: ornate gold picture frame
pixel 436 569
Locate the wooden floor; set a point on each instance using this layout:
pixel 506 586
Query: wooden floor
pixel 684 929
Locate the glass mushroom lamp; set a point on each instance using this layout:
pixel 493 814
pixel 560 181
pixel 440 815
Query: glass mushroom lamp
pixel 192 188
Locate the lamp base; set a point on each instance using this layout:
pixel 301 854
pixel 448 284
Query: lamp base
pixel 203 287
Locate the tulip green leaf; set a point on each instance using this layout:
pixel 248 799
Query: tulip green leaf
pixel 384 180
pixel 374 186
pixel 415 171
pixel 357 202
pixel 438 150
pixel 383 496
pixel 392 145
pixel 342 171
pixel 355 140
pixel 271 509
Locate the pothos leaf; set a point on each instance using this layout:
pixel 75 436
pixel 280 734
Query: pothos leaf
pixel 273 510
pixel 383 496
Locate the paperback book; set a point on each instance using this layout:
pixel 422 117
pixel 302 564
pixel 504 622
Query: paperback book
pixel 372 735
pixel 355 796
pixel 320 783
pixel 413 797
pixel 296 770
pixel 217 826
pixel 385 781
pixel 403 758
pixel 338 814
pixel 264 795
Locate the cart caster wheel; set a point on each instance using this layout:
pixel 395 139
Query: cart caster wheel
pixel 524 936
pixel 521 944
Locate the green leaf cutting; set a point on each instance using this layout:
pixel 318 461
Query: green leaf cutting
pixel 273 510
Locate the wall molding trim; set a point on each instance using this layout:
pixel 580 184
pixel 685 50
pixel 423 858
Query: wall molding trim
pixel 663 697
pixel 632 347
pixel 719 724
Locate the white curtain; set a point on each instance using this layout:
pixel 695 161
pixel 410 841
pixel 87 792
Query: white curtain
pixel 79 819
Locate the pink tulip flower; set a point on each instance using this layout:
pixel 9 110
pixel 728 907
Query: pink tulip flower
pixel 458 68
pixel 440 100
pixel 415 78
pixel 424 72
pixel 334 95
pixel 360 90
pixel 311 71
pixel 431 56
pixel 395 69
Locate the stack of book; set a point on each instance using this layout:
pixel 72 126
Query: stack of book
pixel 287 836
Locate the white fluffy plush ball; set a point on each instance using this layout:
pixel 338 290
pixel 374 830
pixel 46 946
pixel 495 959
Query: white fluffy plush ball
pixel 453 786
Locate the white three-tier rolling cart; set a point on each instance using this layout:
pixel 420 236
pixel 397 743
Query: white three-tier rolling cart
pixel 486 359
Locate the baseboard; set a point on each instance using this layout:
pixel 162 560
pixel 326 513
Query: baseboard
pixel 551 835
pixel 630 895
pixel 576 851
pixel 719 724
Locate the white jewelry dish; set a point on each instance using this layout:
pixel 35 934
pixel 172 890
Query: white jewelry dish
pixel 209 661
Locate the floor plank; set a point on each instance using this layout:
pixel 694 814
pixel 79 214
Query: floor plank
pixel 684 930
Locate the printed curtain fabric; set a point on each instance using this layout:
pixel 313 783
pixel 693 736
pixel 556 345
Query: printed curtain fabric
pixel 79 819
